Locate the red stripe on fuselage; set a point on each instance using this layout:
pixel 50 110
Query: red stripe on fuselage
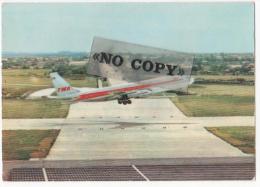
pixel 107 92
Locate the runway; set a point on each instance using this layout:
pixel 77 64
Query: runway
pixel 141 141
pixel 149 140
pixel 140 108
pixel 150 128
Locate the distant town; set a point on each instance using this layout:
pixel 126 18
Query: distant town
pixel 72 62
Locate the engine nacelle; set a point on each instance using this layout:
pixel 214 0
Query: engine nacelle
pixel 140 93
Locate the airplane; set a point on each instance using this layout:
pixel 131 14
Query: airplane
pixel 123 93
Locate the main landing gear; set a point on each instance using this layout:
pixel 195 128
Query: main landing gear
pixel 124 99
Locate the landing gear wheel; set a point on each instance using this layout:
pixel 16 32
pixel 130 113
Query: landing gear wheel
pixel 124 99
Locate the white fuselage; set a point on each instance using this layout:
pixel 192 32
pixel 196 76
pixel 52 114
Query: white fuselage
pixel 133 90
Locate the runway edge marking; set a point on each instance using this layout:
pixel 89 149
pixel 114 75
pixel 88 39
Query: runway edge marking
pixel 136 169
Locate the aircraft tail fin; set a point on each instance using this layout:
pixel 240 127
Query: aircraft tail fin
pixel 63 88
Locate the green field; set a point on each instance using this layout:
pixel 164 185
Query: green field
pixel 26 144
pixel 222 89
pixel 217 100
pixel 240 137
pixel 17 82
pixel 25 72
pixel 44 108
pixel 224 77
pixel 215 105
pixel 209 99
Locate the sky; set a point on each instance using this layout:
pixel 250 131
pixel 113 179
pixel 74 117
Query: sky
pixel 186 27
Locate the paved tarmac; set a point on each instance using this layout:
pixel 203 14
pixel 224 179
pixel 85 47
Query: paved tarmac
pixel 130 121
pixel 140 108
pixel 107 130
pixel 145 129
pixel 134 142
pixel 148 128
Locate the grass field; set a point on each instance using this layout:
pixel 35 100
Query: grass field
pixel 222 89
pixel 240 137
pixel 17 82
pixel 224 77
pixel 217 100
pixel 26 144
pixel 18 108
pixel 25 72
pixel 215 105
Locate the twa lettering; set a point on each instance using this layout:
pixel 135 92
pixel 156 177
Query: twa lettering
pixel 64 89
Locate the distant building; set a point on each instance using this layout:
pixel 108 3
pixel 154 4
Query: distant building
pixel 235 66
pixel 4 60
